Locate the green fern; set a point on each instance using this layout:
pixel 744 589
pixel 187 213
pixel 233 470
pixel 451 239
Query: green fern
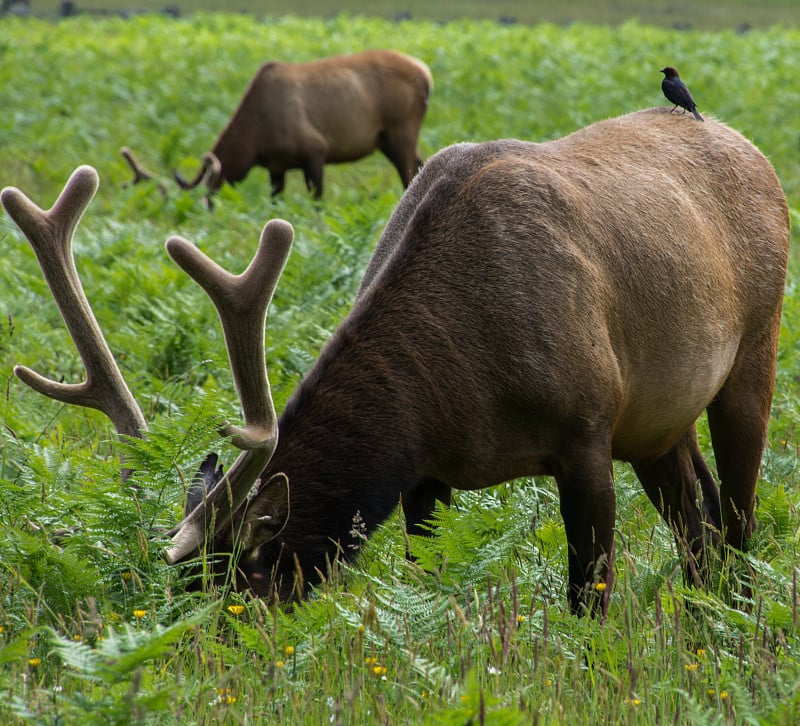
pixel 486 531
pixel 119 692
pixel 114 657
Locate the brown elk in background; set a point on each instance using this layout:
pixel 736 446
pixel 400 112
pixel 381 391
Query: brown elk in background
pixel 530 309
pixel 327 111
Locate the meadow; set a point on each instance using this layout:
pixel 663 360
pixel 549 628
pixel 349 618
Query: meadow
pixel 95 628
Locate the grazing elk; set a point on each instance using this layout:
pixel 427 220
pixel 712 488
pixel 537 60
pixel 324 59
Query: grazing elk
pixel 530 309
pixel 327 111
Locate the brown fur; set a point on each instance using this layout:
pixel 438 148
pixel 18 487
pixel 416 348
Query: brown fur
pixel 539 309
pixel 338 109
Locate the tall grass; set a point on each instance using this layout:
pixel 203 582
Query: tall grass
pixel 96 629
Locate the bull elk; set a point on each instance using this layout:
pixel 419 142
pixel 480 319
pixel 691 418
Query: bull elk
pixel 530 309
pixel 326 111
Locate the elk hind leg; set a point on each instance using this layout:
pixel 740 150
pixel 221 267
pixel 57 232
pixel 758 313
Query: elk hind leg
pixel 399 146
pixel 738 419
pixel 683 490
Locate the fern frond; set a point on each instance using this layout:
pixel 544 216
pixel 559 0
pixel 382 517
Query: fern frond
pixel 113 658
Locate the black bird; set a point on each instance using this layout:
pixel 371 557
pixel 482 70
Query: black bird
pixel 676 92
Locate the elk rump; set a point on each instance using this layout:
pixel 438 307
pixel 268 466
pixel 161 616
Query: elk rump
pixel 327 111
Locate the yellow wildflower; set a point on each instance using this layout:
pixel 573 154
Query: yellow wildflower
pixel 520 619
pixel 34 662
pixel 379 670
pixel 701 652
pixel 600 586
pixel 723 695
pixel 139 613
pixel 289 650
pixel 235 609
pixel 691 666
pixel 279 663
pixel 370 660
pixel 225 696
pixel 633 701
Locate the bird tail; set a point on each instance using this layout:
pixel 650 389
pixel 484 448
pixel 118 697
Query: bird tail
pixel 697 115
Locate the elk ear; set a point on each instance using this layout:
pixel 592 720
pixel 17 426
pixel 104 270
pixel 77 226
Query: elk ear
pixel 267 512
pixel 204 481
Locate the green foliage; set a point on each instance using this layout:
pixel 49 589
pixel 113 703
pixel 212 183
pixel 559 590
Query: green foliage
pixel 96 628
pixel 117 661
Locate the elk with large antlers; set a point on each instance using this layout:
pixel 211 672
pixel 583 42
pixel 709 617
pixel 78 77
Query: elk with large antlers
pixel 326 111
pixel 530 309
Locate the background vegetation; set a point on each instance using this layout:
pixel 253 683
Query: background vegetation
pixel 683 14
pixel 95 629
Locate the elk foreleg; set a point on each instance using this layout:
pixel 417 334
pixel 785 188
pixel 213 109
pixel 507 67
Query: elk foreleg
pixel 419 503
pixel 588 506
pixel 277 182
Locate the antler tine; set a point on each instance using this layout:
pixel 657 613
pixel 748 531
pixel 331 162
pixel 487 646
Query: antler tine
pixel 241 302
pixel 140 173
pixel 210 166
pixel 50 235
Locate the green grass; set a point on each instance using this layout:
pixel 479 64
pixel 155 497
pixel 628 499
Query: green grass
pixel 96 629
